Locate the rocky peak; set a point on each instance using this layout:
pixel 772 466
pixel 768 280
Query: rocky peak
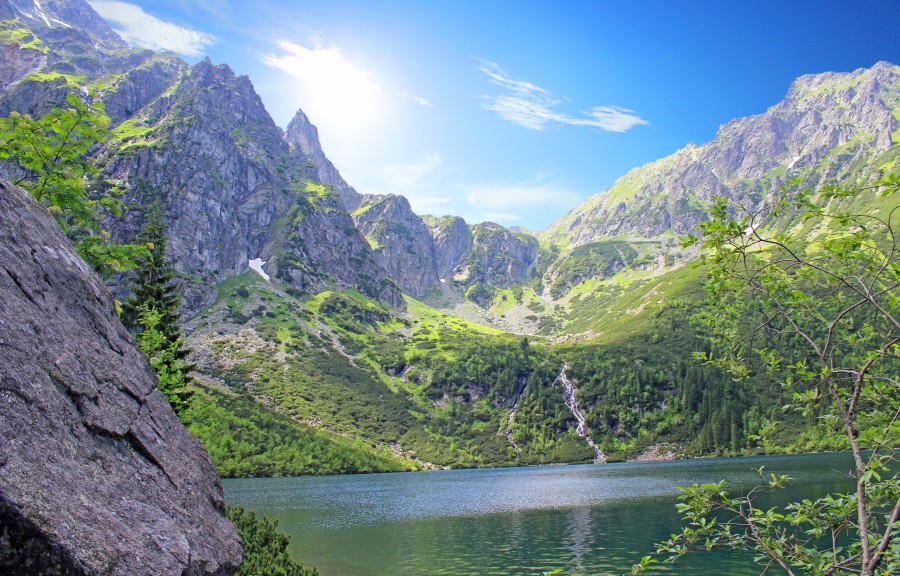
pixel 452 241
pixel 830 127
pixel 61 15
pixel 62 46
pixel 497 258
pixel 97 474
pixel 303 138
pixel 233 191
pixel 400 240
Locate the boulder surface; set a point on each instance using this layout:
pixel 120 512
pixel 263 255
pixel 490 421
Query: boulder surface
pixel 97 474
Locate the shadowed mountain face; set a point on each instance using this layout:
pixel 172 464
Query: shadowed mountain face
pixel 97 474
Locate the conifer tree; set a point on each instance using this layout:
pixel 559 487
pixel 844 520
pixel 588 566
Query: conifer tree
pixel 151 313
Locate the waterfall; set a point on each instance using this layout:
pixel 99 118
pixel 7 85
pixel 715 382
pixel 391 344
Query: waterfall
pixel 509 420
pixel 570 395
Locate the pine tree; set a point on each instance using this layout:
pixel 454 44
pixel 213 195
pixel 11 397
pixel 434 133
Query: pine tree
pixel 152 314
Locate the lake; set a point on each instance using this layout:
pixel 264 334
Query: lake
pixel 585 519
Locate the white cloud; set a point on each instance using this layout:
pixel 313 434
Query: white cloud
pixel 499 217
pixel 429 204
pixel 334 91
pixel 417 99
pixel 140 29
pixel 532 107
pixel 611 119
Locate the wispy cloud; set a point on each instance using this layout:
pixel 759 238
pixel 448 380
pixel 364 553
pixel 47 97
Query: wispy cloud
pixel 320 65
pixel 417 99
pixel 531 106
pixel 506 201
pixel 405 174
pixel 140 29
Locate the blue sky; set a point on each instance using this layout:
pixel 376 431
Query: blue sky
pixel 512 111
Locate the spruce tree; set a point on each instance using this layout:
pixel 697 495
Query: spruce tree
pixel 151 313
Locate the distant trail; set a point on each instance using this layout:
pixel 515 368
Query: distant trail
pixel 570 397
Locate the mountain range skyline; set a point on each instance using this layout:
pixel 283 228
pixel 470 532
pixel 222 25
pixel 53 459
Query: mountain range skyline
pixel 514 114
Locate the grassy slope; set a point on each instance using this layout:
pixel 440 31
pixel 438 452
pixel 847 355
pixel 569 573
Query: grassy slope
pixel 383 391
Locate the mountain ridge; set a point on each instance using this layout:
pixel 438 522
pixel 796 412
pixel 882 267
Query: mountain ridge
pixel 346 331
pixel 748 158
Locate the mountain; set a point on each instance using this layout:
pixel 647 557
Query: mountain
pixel 198 141
pixel 393 340
pixel 830 128
pixel 233 191
pixel 303 138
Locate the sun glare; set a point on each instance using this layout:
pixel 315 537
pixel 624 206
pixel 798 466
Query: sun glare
pixel 340 96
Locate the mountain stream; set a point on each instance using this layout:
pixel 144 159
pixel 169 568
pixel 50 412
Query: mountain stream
pixel 509 420
pixel 570 395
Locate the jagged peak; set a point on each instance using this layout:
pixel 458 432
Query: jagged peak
pixel 303 138
pixel 303 134
pixel 62 14
pixel 811 84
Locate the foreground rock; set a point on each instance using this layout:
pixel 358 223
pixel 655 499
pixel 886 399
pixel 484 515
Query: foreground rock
pixel 97 474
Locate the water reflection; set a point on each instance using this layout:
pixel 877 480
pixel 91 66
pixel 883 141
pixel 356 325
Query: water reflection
pixel 580 536
pixel 586 520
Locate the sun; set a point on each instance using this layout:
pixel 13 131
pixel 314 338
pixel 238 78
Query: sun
pixel 334 93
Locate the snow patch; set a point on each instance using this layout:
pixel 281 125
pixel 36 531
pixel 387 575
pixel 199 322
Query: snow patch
pixel 256 265
pixel 794 161
pixel 443 280
pixel 40 12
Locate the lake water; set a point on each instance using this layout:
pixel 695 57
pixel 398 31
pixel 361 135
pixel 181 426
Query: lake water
pixel 585 520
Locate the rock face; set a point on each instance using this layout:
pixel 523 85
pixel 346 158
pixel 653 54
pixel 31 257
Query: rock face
pixel 827 127
pixel 400 240
pixel 233 190
pixel 498 258
pixel 97 474
pixel 303 138
pixel 198 141
pixel 452 241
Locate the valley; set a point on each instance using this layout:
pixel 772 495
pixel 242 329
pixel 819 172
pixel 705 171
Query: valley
pixel 329 331
pixel 407 340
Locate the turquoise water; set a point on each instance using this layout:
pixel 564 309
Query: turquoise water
pixel 585 520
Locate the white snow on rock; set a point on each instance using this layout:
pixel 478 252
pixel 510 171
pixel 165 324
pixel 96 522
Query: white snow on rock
pixel 256 265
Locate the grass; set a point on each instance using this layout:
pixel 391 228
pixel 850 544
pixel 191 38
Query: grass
pixel 13 31
pixel 73 80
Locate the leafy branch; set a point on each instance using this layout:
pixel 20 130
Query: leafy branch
pixel 826 281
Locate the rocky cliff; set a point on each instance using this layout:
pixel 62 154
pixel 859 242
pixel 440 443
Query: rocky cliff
pixel 52 48
pixel 452 241
pixel 303 138
pixel 233 190
pixel 97 474
pixel 830 128
pixel 200 143
pixel 400 240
